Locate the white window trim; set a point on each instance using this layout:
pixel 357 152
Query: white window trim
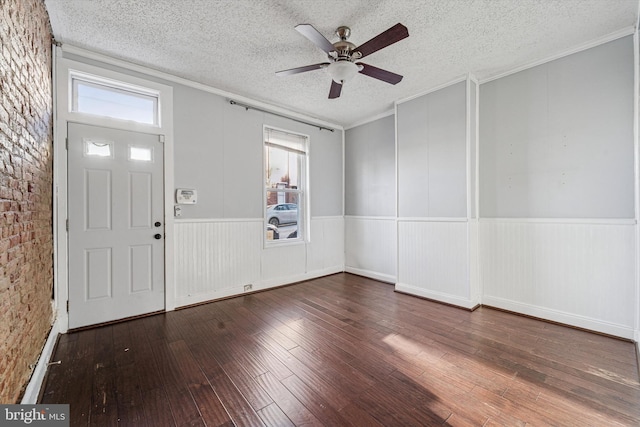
pixel 68 69
pixel 93 80
pixel 305 218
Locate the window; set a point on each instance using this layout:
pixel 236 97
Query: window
pixel 285 164
pixel 143 154
pixel 93 148
pixel 113 99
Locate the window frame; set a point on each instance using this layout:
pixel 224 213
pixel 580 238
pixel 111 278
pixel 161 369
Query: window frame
pixel 302 191
pixel 117 86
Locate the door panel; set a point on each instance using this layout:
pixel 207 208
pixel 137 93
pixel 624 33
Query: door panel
pixel 141 264
pixel 98 273
pixel 116 265
pixel 97 204
pixel 141 208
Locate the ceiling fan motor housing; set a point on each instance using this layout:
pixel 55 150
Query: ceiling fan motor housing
pixel 344 49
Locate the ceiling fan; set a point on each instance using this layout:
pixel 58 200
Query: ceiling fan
pixel 343 54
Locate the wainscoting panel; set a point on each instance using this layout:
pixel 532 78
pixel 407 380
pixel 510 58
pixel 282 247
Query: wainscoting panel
pixel 474 262
pixel 433 260
pixel 217 258
pixel 370 246
pixel 282 262
pixel 580 273
pixel 214 259
pixel 325 252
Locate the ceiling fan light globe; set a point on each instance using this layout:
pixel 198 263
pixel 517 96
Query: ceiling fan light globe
pixel 341 71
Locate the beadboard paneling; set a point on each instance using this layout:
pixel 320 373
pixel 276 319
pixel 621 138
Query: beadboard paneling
pixel 283 261
pixel 326 248
pixel 217 258
pixel 434 260
pixel 370 247
pixel 580 273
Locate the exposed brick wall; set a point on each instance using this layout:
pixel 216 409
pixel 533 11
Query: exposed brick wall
pixel 26 174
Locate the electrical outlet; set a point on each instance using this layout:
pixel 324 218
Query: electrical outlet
pixel 248 287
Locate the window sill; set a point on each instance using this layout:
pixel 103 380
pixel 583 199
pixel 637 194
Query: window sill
pixel 271 244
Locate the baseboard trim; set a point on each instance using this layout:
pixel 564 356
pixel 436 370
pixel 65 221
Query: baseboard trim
pixel 238 291
pixel 32 392
pixel 638 357
pixel 115 321
pixel 381 277
pixel 553 322
pixel 452 300
pixel 472 309
pixel 561 318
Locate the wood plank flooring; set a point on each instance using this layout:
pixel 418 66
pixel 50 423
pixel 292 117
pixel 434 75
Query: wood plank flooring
pixel 337 351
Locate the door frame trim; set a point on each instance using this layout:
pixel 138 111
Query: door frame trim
pixel 63 67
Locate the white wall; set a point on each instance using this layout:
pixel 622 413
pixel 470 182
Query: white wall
pixel 370 247
pixel 540 217
pixel 636 61
pixel 217 246
pixel 581 274
pixel 569 162
pixel 557 210
pixel 433 260
pixel 370 200
pixel 220 246
pixel 437 235
pixel 215 258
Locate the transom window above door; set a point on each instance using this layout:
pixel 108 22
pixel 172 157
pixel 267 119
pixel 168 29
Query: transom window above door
pixel 117 100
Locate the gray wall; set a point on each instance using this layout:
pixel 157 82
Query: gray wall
pixel 432 159
pixel 473 132
pixel 218 151
pixel 556 140
pixel 370 180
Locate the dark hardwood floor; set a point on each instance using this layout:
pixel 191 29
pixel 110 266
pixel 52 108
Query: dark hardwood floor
pixel 342 350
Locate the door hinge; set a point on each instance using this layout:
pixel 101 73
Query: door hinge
pixel 66 143
pixel 67 224
pixel 67 306
pixel 161 138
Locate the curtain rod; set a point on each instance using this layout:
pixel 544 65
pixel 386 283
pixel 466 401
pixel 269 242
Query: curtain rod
pixel 247 107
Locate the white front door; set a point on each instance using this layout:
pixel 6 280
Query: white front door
pixel 116 228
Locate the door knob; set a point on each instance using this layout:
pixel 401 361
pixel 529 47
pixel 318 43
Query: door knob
pixel 157 224
pixel 157 236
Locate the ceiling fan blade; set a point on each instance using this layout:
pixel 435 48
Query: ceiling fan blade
pixel 384 39
pixel 301 69
pixel 335 90
pixel 315 37
pixel 380 74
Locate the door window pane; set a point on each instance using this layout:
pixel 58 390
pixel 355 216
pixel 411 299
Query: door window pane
pixel 144 154
pixel 98 148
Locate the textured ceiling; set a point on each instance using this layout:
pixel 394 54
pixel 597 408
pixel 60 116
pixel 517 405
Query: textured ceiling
pixel 238 45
